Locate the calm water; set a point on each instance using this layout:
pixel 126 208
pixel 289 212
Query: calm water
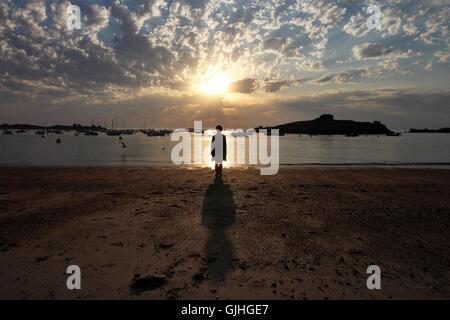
pixel 29 149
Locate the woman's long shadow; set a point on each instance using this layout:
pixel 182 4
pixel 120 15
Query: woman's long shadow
pixel 218 214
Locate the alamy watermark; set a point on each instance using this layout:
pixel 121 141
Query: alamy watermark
pixel 74 280
pixel 258 147
pixel 374 21
pixel 374 280
pixel 73 21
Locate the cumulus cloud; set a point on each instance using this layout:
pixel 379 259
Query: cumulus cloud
pixel 123 50
pixel 436 25
pixel 97 18
pixel 344 76
pixel 443 56
pixel 248 85
pixel 275 86
pixel 274 44
pixel 357 26
pixel 251 85
pixel 371 50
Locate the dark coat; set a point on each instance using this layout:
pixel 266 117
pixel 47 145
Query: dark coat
pixel 213 151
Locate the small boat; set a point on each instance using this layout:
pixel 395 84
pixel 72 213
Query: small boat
pixel 40 132
pixel 7 133
pixel 352 135
pixel 157 133
pixel 114 133
pixel 394 134
pixel 91 133
pixel 21 131
pixel 55 132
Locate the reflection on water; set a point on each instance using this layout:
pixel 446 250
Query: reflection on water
pixel 29 149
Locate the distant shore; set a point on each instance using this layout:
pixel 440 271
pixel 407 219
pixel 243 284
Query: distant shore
pixel 306 233
pixel 442 130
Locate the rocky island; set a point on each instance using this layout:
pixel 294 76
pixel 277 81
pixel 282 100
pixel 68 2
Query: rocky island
pixel 327 125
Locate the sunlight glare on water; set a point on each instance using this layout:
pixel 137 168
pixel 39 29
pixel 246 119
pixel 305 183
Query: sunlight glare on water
pixel 29 149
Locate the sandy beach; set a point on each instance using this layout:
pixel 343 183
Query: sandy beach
pixel 302 234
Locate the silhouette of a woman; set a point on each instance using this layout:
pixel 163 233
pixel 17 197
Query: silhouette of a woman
pixel 219 150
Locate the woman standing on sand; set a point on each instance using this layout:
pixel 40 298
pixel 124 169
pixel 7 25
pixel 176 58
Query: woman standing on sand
pixel 219 150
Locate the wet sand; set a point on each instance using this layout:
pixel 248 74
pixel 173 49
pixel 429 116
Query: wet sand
pixel 303 234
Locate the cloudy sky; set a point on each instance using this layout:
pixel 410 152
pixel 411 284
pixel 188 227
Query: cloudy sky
pixel 159 63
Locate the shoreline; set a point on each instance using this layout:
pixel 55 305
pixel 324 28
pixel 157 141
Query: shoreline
pixel 437 166
pixel 302 234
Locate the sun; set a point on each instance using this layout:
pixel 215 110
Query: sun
pixel 216 84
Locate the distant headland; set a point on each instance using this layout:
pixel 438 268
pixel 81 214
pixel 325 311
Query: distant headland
pixel 327 125
pixel 74 127
pixel 442 130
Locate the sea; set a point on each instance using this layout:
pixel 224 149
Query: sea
pixel 409 149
